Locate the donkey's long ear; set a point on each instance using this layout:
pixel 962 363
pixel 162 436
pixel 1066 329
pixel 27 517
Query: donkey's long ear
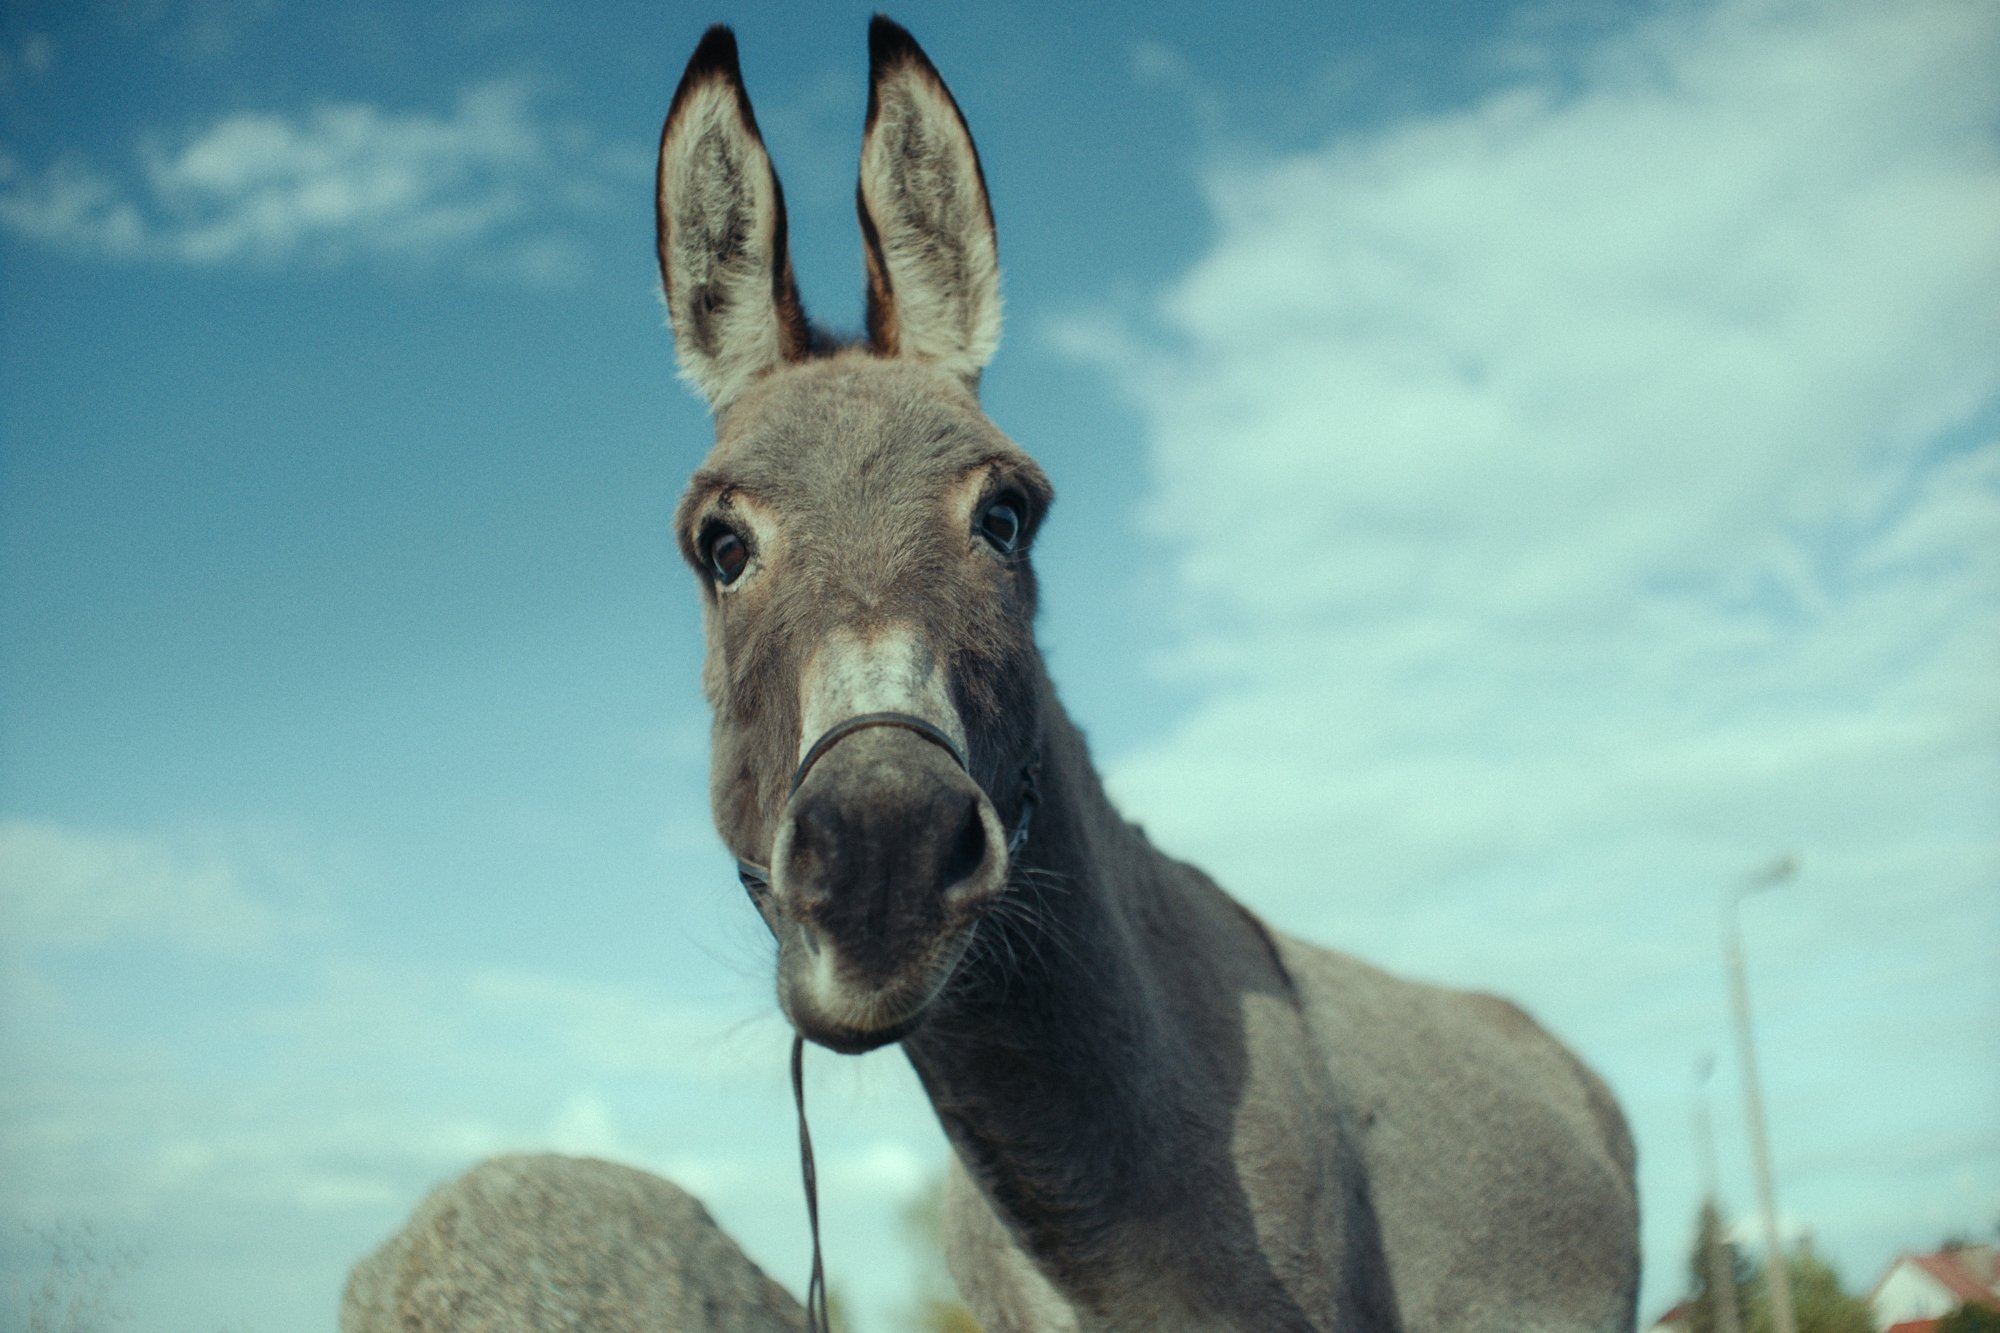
pixel 933 262
pixel 721 218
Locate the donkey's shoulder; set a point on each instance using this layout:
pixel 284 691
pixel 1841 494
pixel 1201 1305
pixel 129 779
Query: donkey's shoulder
pixel 1499 1163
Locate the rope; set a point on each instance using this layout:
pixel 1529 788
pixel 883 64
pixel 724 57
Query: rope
pixel 817 1318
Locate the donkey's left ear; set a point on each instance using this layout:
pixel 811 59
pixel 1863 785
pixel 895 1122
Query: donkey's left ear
pixel 933 260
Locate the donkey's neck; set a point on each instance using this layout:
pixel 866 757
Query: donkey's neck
pixel 1087 1063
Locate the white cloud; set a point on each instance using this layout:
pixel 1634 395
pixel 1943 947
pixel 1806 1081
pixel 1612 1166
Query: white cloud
pixel 1577 498
pixel 324 1096
pixel 63 888
pixel 584 1128
pixel 1650 321
pixel 69 203
pixel 882 1168
pixel 25 61
pixel 488 183
pixel 624 1030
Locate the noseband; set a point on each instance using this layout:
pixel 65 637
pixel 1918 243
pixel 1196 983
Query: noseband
pixel 757 879
pixel 757 883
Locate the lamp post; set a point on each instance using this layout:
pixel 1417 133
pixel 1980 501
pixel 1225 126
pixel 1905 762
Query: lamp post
pixel 1721 1273
pixel 1777 1274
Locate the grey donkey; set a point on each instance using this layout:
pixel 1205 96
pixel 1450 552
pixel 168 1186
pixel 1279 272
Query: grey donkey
pixel 1164 1114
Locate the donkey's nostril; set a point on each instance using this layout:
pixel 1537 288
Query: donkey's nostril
pixel 968 847
pixel 885 851
pixel 816 861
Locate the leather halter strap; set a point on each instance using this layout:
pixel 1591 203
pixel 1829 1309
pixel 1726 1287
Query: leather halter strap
pixel 756 878
pixel 840 731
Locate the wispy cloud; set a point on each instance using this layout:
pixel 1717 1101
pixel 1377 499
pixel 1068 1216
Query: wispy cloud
pixel 1576 498
pixel 489 184
pixel 621 1031
pixel 362 1087
pixel 287 1080
pixel 25 60
pixel 62 888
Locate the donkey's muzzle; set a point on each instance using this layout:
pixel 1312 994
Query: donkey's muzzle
pixel 887 853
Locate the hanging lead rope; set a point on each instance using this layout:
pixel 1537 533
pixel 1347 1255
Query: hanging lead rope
pixel 818 1320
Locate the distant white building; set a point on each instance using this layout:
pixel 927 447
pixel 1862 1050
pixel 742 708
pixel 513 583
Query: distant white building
pixel 1920 1289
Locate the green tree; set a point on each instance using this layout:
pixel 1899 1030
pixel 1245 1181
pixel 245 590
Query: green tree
pixel 1819 1302
pixel 937 1308
pixel 1970 1319
pixel 1708 1304
pixel 837 1318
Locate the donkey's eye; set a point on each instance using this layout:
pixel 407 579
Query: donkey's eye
pixel 725 553
pixel 1001 523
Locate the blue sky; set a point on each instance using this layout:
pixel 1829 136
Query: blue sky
pixel 1518 475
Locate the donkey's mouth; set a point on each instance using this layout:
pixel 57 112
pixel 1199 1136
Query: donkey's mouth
pixel 833 1008
pixel 854 1041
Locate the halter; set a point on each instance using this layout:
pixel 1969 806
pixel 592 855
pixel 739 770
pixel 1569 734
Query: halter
pixel 757 883
pixel 757 879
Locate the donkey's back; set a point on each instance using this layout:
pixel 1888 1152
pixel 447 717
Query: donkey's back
pixel 1499 1167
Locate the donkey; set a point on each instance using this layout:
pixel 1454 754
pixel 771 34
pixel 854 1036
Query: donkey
pixel 1163 1113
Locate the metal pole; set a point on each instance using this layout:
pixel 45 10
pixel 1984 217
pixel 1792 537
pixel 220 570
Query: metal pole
pixel 1777 1275
pixel 1721 1273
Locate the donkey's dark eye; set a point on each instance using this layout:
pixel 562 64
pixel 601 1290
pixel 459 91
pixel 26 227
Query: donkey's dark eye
pixel 725 554
pixel 1001 523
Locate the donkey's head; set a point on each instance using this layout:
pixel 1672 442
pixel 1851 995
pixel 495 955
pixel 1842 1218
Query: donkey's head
pixel 861 534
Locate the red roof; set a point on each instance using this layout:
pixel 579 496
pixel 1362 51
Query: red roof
pixel 1674 1318
pixel 1914 1326
pixel 1951 1274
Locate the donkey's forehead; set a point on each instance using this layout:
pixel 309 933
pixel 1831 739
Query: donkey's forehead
pixel 814 425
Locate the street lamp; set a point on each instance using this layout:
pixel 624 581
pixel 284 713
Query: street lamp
pixel 1778 1275
pixel 1721 1273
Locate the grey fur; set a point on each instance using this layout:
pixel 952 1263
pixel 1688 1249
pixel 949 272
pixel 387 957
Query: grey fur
pixel 933 262
pixel 1164 1115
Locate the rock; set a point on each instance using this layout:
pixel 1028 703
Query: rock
pixel 546 1243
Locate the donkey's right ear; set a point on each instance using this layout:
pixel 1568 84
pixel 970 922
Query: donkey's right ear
pixel 720 214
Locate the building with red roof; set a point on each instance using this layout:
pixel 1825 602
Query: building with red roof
pixel 1921 1289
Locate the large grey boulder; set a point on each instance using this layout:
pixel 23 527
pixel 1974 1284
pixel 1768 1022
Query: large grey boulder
pixel 546 1243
